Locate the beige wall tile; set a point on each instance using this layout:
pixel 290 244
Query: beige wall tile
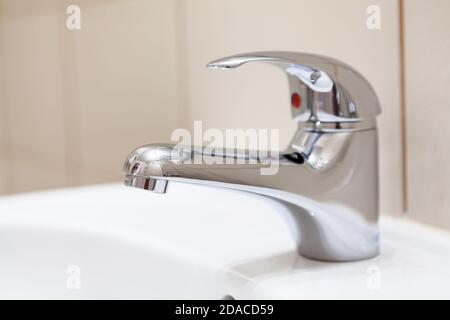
pixel 3 171
pixel 32 92
pixel 428 109
pixel 79 101
pixel 4 163
pixel 4 154
pixel 256 96
pixel 34 170
pixel 121 71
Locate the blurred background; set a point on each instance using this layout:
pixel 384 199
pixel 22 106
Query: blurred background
pixel 74 103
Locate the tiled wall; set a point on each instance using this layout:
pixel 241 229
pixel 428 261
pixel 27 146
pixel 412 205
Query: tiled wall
pixel 4 154
pixel 76 102
pixel 428 109
pixel 32 95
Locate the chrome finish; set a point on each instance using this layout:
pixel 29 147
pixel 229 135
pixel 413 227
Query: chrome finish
pixel 327 178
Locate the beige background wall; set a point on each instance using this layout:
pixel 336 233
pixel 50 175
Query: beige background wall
pixel 74 103
pixel 32 95
pixel 4 177
pixel 428 85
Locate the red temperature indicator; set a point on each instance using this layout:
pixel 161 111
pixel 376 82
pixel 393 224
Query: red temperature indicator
pixel 296 100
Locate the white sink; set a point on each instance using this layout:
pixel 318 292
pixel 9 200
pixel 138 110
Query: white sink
pixel 195 242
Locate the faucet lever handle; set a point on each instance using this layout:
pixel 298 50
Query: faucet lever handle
pixel 326 94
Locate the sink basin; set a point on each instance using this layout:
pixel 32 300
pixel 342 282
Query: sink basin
pixel 114 242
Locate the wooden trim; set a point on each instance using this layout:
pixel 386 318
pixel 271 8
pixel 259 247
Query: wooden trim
pixel 404 128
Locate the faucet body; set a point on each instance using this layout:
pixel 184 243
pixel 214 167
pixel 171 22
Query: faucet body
pixel 327 178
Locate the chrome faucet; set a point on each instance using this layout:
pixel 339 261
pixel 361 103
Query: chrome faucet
pixel 328 176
